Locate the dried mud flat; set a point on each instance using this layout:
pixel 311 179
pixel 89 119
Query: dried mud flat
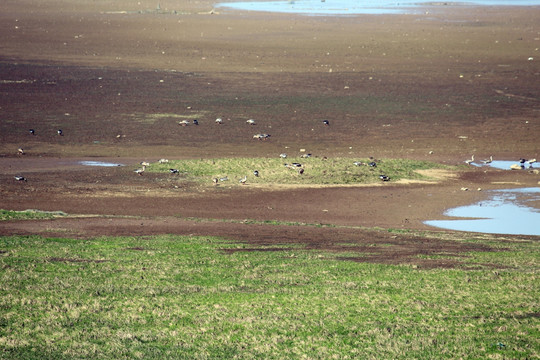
pixel 117 79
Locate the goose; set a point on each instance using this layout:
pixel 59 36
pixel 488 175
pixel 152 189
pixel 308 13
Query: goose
pixel 326 122
pixel 256 173
pixel 32 132
pixel 140 171
pixel 251 122
pixel 173 171
pixel 488 161
pixel 384 177
pixel 468 162
pixel 219 121
pixel 516 167
pixel 20 178
pixel 243 180
pixel 60 132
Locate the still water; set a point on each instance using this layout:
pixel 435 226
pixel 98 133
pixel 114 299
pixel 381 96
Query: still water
pixel 509 211
pixel 353 7
pixel 99 163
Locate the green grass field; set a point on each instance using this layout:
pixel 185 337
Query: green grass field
pixel 186 298
pixel 317 170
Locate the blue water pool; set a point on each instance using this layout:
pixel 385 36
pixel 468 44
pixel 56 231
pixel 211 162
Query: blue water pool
pixel 509 211
pixel 352 7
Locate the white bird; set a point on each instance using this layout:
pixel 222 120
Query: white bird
pixel 20 151
pixel 219 121
pixel 243 180
pixel 488 161
pixel 283 156
pixel 468 162
pixel 145 163
pixel 251 122
pixel 183 123
pixel 163 161
pixel 140 171
pixel 531 162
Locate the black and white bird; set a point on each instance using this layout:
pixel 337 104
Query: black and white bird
pixel 256 173
pixel 20 151
pixel 219 121
pixel 384 177
pixel 251 122
pixel 326 122
pixel 296 164
pixel 173 171
pixel 60 132
pixel 140 171
pixel 469 161
pixel 283 155
pixel 243 180
pixel 531 162
pixel 32 132
pixel 301 171
pixel 488 161
pixel 195 122
pixel 20 178
pixel 373 164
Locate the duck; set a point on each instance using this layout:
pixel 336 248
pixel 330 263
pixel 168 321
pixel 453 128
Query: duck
pixel 256 173
pixel 32 132
pixel 60 132
pixel 195 122
pixel 488 161
pixel 301 171
pixel 20 178
pixel 225 178
pixel 326 122
pixel 173 171
pixel 296 164
pixel 384 177
pixel 468 162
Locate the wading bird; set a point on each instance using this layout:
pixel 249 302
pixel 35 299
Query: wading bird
pixel 488 161
pixel 468 162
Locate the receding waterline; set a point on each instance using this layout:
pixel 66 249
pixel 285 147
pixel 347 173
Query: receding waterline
pixel 99 163
pixel 355 7
pixel 508 211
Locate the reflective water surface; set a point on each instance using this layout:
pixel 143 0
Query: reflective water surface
pixel 99 163
pixel 352 7
pixel 509 211
pixel 505 164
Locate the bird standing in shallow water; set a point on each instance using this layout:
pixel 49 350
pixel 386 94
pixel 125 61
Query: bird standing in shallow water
pixel 468 162
pixel 488 161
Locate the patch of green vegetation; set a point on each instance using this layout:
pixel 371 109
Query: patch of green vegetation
pixel 173 297
pixel 29 214
pixel 337 171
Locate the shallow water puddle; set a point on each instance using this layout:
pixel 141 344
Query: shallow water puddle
pixel 508 211
pixel 99 163
pixel 352 7
pixel 504 164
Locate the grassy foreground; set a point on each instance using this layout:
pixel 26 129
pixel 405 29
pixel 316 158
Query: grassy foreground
pixel 185 298
pixel 316 170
